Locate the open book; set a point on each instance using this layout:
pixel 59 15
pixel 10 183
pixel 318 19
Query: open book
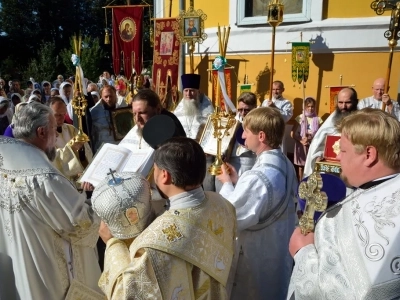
pixel 120 159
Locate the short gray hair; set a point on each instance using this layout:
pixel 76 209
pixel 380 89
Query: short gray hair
pixel 29 119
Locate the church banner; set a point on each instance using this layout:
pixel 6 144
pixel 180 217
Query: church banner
pixel 215 85
pixel 300 61
pixel 127 39
pixel 166 61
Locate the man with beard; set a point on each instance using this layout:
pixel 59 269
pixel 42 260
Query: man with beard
pixel 354 251
pixel 48 231
pixel 194 108
pixel 346 104
pixel 102 130
pixel 72 157
pixel 378 98
pixel 193 111
pixel 145 105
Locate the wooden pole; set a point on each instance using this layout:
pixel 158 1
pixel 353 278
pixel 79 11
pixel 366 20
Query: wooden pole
pixel 272 62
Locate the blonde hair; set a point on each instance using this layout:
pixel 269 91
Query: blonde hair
pixel 373 127
pixel 268 120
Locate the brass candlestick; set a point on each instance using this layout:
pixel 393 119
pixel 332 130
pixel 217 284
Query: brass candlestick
pixel 275 17
pixel 79 103
pixel 222 122
pixel 392 34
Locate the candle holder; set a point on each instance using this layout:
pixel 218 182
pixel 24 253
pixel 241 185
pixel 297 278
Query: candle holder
pixel 222 122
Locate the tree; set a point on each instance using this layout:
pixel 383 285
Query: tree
pixel 45 66
pixel 92 57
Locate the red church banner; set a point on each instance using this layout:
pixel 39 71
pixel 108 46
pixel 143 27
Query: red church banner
pixel 127 39
pixel 166 61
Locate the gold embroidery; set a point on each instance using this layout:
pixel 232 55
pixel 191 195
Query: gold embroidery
pixel 217 231
pixel 172 232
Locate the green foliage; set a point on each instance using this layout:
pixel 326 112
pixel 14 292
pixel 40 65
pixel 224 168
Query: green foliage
pixel 27 25
pixel 45 66
pixel 91 58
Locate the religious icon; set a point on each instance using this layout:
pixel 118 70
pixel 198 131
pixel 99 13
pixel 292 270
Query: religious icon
pixel 122 122
pixel 166 43
pixel 300 56
pixel 132 215
pixel 127 29
pixel 191 27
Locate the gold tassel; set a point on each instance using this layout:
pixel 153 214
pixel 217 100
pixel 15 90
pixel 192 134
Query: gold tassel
pixel 107 37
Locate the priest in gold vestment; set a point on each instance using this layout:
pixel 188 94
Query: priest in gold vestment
pixel 71 157
pixel 186 253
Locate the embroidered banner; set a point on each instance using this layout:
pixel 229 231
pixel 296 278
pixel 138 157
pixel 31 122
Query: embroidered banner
pixel 333 94
pixel 215 85
pixel 245 88
pixel 166 61
pixel 300 61
pixel 127 40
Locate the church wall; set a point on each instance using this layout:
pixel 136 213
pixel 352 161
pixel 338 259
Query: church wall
pixel 348 42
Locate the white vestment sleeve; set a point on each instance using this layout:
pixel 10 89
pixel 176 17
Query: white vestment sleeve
pixel 247 198
pixel 304 283
pixel 65 210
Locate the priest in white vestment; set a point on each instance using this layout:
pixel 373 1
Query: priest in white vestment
pixel 194 108
pixel 264 200
pixel 48 230
pixel 186 253
pixel 347 103
pixel 378 98
pixel 193 112
pixel 284 105
pixel 71 157
pixel 354 252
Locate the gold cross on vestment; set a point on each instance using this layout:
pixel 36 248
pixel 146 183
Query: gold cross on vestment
pixel 172 233
pixel 316 200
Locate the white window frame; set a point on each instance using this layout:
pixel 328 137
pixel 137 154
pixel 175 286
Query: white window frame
pixel 309 13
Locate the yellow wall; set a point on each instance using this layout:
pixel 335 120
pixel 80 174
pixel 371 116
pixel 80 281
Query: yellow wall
pixel 217 11
pixel 348 9
pixel 325 70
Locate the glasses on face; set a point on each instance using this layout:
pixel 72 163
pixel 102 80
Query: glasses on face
pixel 243 110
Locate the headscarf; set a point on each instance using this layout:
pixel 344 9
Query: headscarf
pixel 304 122
pixel 66 100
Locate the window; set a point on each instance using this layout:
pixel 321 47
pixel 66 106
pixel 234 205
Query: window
pixel 252 12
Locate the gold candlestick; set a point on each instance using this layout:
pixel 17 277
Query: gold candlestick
pixel 79 102
pixel 222 120
pixel 275 17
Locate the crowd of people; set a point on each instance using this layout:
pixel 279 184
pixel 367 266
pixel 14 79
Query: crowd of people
pixel 180 233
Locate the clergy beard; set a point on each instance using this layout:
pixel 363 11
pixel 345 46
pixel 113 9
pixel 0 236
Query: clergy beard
pixel 139 131
pixel 51 153
pixel 190 107
pixel 340 115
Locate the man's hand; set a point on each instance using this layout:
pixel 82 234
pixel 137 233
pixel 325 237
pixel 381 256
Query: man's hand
pixel 228 176
pixel 386 99
pixel 86 186
pixel 75 146
pixel 104 232
pixel 298 241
